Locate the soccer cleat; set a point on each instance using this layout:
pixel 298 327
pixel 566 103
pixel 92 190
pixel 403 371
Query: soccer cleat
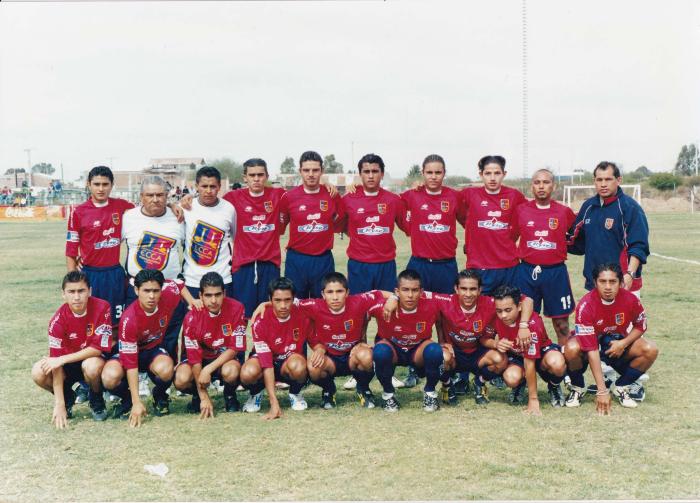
pixel 397 383
pixel 144 390
pixel 448 394
pixel 623 395
pixel 327 400
pixel 498 383
pixel 391 404
pixel 366 399
pixel 412 379
pixel 231 403
pixel 516 395
pixel 350 383
pixel 575 396
pixel 122 410
pixel 82 392
pixel 194 407
pixel 70 398
pixel 592 388
pixel 161 406
pixel 636 391
pixel 297 402
pixel 281 385
pixel 253 403
pixel 481 395
pixel 461 385
pixel 430 403
pixel 556 399
pixel 97 406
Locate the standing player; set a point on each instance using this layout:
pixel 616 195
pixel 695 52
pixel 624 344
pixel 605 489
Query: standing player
pixel 141 339
pixel 278 339
pixel 79 334
pixel 539 356
pixel 612 318
pixel 215 345
pixel 311 213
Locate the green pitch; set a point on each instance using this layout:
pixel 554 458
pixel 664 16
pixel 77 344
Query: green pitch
pixel 349 453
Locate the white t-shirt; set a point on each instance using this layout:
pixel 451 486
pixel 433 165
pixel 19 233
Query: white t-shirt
pixel 209 230
pixel 153 242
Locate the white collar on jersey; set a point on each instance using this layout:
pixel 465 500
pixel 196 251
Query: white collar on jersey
pixel 80 315
pixel 607 302
pixel 539 206
pixel 214 315
pixel 312 191
pixel 468 311
pixel 404 311
pixel 436 193
pixel 283 320
pixel 100 205
pixel 149 314
pixel 253 194
pixel 340 311
pixel 371 194
pixel 493 193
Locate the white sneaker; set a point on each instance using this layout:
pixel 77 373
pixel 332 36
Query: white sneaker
pixel 253 403
pixel 350 383
pixel 623 394
pixel 144 390
pixel 575 395
pixel 298 402
pixel 397 383
pixel 281 385
pixel 643 378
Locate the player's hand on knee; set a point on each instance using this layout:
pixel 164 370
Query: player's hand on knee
pixel 49 364
pixel 273 413
pixel 204 379
pixel 206 409
pixel 504 345
pixel 60 417
pixel 138 412
pixel 318 357
pixel 533 407
pixel 603 404
pixel 616 349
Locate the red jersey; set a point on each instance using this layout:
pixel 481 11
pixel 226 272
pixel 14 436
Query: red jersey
pixel 595 318
pixel 95 232
pixel 538 336
pixel 311 219
pixel 542 232
pixel 69 333
pixel 140 331
pixel 208 335
pixel 464 330
pixel 370 221
pixel 277 340
pixel 489 236
pixel 339 332
pixel 257 226
pixel 432 222
pixel 409 329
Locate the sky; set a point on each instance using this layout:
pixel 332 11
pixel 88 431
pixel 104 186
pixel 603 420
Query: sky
pixel 119 83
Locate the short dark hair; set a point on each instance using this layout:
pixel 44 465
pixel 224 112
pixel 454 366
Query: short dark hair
pixel 468 274
pixel 610 266
pixel 310 155
pixel 146 275
pixel 211 279
pixel 505 291
pixel 209 172
pixel 370 159
pixel 334 277
pixel 492 159
pixel 75 277
pixel 409 275
pixel 280 283
pixel 101 171
pixel 254 162
pixel 434 158
pixel 605 165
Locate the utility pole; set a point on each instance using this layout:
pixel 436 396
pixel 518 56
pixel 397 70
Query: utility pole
pixel 29 159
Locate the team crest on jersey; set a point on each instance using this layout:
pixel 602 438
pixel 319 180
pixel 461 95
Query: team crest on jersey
pixel 553 223
pixel 153 251
pixel 226 329
pixel 115 218
pixel 295 334
pixel 89 329
pixel 619 318
pixel 268 206
pixel 324 205
pixel 609 223
pixel 381 208
pixel 477 326
pixel 420 327
pixel 162 321
pixel 445 206
pixel 348 325
pixel 206 243
pixel 505 204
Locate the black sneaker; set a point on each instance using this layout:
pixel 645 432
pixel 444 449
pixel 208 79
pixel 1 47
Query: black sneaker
pixel 161 406
pixel 412 378
pixel 231 403
pixel 430 403
pixel 97 406
pixel 516 395
pixel 498 383
pixel 391 404
pixel 194 407
pixel 556 398
pixel 122 410
pixel 481 392
pixel 636 392
pixel 327 400
pixel 69 396
pixel 366 399
pixel 82 392
pixel 448 394
pixel 461 386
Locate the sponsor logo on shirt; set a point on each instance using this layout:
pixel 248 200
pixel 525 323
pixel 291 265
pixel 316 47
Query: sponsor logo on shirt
pixel 54 342
pixel 259 228
pixel 107 232
pixel 541 233
pixel 493 224
pixel 463 336
pixel 373 230
pixel 340 346
pixel 72 237
pixel 191 344
pixel 107 243
pixel 312 227
pixel 434 228
pixel 127 347
pixel 582 330
pixel 261 347
pixel 154 251
pixel 530 223
pixel 619 318
pixel 494 213
pixel 435 216
pixel 206 243
pixel 609 223
pixel 339 337
pixel 553 223
pixel 313 216
pixel 381 208
pixel 541 244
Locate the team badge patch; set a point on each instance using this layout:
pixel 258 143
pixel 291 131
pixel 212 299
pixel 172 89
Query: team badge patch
pixel 115 218
pixel 348 325
pixel 619 318
pixel 445 206
pixel 381 208
pixel 206 243
pixel 505 204
pixel 89 329
pixel 609 223
pixel 477 326
pixel 268 206
pixel 226 329
pixel 295 334
pixel 553 223
pixel 420 327
pixel 324 205
pixel 154 251
pixel 162 322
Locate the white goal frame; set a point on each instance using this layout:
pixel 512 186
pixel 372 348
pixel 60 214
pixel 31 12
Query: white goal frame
pixel 636 193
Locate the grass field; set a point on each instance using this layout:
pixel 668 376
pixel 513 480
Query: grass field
pixel 348 453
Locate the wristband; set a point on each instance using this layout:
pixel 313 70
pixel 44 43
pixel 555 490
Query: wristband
pixel 601 392
pixel 523 324
pixel 394 296
pixel 630 273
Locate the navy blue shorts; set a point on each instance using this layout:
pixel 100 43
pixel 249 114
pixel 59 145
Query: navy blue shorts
pixel 493 278
pixel 469 362
pixel 277 367
pixel 405 357
pixel 435 275
pixel 619 364
pixel 549 285
pixel 307 271
pixel 342 364
pixel 250 282
pixel 73 373
pixel 109 283
pixel 146 357
pixel 520 362
pixel 363 276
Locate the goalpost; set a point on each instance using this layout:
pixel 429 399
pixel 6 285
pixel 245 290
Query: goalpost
pixel 568 189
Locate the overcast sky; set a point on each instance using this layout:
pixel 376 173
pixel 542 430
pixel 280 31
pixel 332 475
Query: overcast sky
pixel 81 83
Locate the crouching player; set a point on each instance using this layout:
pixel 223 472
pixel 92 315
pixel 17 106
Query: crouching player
pixel 141 334
pixel 527 358
pixel 79 333
pixel 614 318
pixel 215 345
pixel 278 340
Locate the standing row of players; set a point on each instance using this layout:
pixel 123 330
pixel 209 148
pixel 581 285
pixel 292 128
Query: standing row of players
pixel 494 217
